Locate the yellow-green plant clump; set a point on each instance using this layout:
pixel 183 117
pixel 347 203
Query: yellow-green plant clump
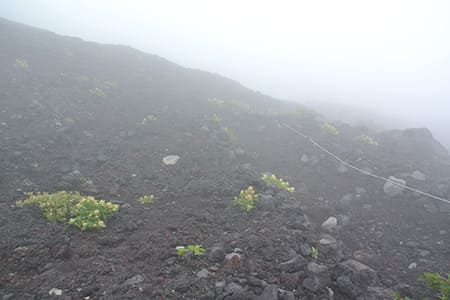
pixel 329 129
pixel 368 140
pixel 246 199
pixel 84 212
pixel 277 182
pixel 147 199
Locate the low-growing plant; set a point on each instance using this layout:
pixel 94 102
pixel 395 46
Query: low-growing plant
pixel 97 92
pixel 147 199
pixel 437 282
pixel 84 212
pixel 90 213
pixel 246 199
pixel 277 182
pixel 329 129
pixel 433 281
pixel 21 64
pixel 314 252
pixel 197 250
pixel 365 139
pixel 216 101
pixel 397 296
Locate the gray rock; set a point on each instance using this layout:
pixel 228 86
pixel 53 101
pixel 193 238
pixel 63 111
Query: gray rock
pixel 266 202
pixel 424 253
pixel 315 268
pixel 393 190
pixel 269 293
pixel 219 284
pixel 311 284
pixel 327 240
pixel 217 254
pixel 8 297
pixel 363 255
pixel 360 190
pixel 290 280
pixel 304 158
pixel 293 265
pixel 286 295
pixel 230 256
pixel 346 286
pixel 135 280
pixel 234 289
pixel 203 273
pixel 329 223
pixel 359 273
pixel 417 175
pixel 305 249
pixel 347 200
pixel 342 169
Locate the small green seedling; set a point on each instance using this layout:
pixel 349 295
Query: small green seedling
pixel 329 129
pixel 314 252
pixel 278 182
pixel 147 199
pixel 196 249
pixel 246 199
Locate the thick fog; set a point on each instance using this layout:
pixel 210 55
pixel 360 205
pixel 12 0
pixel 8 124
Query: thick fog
pixel 387 57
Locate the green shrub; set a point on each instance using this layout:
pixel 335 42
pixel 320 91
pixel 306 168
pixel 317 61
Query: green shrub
pixel 277 182
pixel 436 282
pixel 196 249
pixel 314 252
pixel 397 296
pixel 433 281
pixel 365 139
pixel 21 64
pixel 246 199
pixel 85 212
pixel 329 129
pixel 147 199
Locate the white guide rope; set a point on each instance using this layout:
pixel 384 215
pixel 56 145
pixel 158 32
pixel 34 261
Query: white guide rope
pixel 361 170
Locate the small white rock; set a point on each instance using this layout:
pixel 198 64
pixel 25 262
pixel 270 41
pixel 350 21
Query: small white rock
pixel 55 292
pixel 412 266
pixel 171 159
pixel 330 223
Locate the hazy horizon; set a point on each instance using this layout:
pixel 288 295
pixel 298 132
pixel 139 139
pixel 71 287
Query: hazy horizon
pixel 392 58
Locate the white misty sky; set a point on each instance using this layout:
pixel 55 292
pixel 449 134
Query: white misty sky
pixel 392 56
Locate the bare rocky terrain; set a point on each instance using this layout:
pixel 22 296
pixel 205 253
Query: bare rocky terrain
pixel 99 119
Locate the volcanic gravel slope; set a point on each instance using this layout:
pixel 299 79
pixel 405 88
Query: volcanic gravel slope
pixel 72 118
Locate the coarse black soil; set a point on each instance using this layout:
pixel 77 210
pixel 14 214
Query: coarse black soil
pixel 58 132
